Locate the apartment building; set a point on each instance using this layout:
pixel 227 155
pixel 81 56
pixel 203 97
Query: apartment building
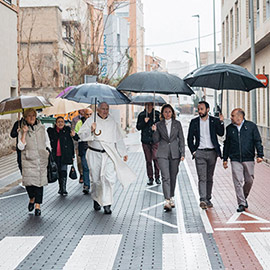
pixel 236 50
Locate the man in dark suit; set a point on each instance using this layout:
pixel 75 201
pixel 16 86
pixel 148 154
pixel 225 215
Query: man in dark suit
pixel 204 147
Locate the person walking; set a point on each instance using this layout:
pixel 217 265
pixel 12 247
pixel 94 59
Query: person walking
pixel 106 156
pixel 144 123
pixel 169 135
pixel 14 133
pixel 62 150
pixel 204 147
pixel 82 147
pixel 242 138
pixel 32 142
pixel 79 162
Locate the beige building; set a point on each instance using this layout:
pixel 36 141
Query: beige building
pixel 236 50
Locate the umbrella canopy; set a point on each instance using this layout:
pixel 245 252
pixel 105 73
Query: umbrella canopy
pixel 155 82
pixel 63 106
pixel 223 76
pixel 18 104
pixel 96 92
pixel 65 91
pixel 142 99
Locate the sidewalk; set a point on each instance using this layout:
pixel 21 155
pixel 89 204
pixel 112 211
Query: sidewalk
pixel 138 234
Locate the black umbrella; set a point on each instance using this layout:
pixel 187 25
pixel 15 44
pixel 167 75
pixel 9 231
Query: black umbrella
pixel 155 82
pixel 142 99
pixel 93 93
pixel 223 76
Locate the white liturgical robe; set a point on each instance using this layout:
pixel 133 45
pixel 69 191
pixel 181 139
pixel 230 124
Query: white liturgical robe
pixel 105 168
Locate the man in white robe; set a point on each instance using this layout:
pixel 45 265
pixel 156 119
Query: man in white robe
pixel 106 149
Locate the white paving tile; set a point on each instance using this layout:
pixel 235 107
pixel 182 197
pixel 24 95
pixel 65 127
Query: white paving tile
pixel 94 252
pixel 260 244
pixel 184 251
pixel 13 250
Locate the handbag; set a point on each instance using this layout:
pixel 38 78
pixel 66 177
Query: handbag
pixel 73 173
pixel 52 169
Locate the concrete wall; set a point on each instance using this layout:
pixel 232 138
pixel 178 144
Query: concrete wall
pixel 6 142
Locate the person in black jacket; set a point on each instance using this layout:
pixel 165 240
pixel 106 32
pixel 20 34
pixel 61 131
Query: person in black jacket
pixel 14 134
pixel 62 150
pixel 204 147
pixel 144 123
pixel 242 138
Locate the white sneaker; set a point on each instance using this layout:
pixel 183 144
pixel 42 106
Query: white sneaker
pixel 172 203
pixel 167 206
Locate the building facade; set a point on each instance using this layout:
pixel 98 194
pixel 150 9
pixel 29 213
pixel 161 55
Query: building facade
pixel 9 67
pixel 236 50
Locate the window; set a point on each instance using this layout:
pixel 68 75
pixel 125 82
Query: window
pixel 61 69
pixel 8 1
pixel 231 30
pixel 118 43
pixel 267 9
pixel 223 38
pixel 227 36
pixel 258 14
pixel 121 8
pixel 237 25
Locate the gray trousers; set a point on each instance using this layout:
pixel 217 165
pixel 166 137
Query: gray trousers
pixel 243 176
pixel 169 169
pixel 205 165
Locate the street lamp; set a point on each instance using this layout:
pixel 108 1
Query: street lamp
pixel 199 38
pixel 215 49
pixel 196 56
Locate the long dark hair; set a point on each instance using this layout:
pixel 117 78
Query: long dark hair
pixel 164 107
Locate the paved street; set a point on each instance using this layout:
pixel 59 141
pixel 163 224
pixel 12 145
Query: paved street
pixel 138 235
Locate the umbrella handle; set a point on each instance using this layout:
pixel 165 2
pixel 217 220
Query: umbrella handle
pixel 97 133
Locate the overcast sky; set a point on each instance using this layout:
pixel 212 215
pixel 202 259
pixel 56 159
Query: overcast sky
pixel 170 21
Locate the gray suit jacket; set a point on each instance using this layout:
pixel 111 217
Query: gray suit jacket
pixel 174 145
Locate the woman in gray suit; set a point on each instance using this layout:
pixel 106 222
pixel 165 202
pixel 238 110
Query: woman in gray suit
pixel 171 149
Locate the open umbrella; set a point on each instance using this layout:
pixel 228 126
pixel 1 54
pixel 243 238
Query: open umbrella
pixel 155 82
pixel 18 104
pixel 223 76
pixel 63 106
pixel 66 90
pixel 93 93
pixel 142 99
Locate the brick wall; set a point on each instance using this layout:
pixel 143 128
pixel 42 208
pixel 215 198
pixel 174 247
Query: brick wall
pixel 6 142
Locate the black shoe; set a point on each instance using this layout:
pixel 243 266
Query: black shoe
pixel 158 181
pixel 246 205
pixel 37 212
pixel 209 204
pixel 150 182
pixel 107 210
pixel 31 207
pixel 85 189
pixel 64 186
pixel 203 205
pixel 241 208
pixel 96 206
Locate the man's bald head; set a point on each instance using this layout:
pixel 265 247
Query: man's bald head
pixel 87 112
pixel 237 116
pixel 103 110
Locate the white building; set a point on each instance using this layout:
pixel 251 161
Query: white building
pixel 8 49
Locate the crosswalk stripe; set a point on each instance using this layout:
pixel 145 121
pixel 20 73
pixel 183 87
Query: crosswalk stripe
pixel 95 252
pixel 13 250
pixel 260 244
pixel 184 251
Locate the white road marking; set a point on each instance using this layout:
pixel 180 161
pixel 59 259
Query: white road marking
pixel 13 250
pixel 235 216
pixel 260 244
pixel 204 217
pixel 229 229
pixel 156 192
pixel 179 210
pixel 184 251
pixel 151 207
pixel 95 252
pixel 14 195
pixel 265 228
pixel 159 220
pixel 155 185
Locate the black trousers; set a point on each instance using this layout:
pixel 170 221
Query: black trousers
pixel 35 192
pixel 62 168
